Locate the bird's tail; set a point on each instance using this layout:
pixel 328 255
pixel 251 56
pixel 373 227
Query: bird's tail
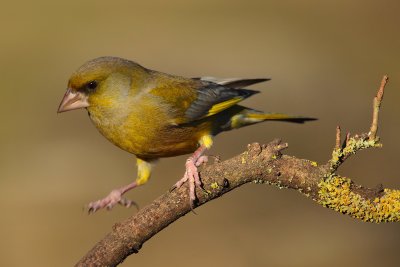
pixel 250 116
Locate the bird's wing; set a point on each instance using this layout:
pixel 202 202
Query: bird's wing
pixel 232 82
pixel 195 99
pixel 213 98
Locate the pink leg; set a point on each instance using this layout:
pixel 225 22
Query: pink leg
pixel 113 198
pixel 201 160
pixel 192 174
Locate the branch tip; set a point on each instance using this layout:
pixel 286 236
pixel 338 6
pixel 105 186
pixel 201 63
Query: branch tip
pixel 348 137
pixel 338 137
pixel 376 106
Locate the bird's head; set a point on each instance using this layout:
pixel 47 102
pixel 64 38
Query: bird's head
pixel 100 82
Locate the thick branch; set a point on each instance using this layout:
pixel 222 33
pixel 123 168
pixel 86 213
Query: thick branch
pixel 259 164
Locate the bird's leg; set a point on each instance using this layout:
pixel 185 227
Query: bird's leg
pixel 115 196
pixel 192 174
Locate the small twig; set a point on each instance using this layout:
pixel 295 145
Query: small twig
pixel 346 140
pixel 352 144
pixel 348 135
pixel 376 106
pixel 338 137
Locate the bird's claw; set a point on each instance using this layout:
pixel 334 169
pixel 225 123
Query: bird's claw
pixel 128 203
pixel 192 176
pixel 201 160
pixel 115 197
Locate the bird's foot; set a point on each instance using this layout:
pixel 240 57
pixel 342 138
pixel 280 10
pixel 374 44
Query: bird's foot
pixel 201 160
pixel 115 197
pixel 192 176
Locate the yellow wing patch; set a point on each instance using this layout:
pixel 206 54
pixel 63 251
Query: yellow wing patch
pixel 223 105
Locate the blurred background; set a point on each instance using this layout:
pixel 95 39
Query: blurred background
pixel 326 60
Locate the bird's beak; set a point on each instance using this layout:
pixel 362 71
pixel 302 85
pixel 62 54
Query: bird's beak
pixel 73 100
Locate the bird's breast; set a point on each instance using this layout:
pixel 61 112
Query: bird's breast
pixel 147 134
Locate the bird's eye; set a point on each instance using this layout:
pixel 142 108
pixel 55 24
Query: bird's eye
pixel 91 85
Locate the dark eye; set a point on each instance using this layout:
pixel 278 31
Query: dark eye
pixel 91 85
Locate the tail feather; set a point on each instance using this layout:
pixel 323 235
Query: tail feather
pixel 277 117
pixel 251 116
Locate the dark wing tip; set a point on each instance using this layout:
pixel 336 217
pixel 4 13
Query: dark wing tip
pixel 245 82
pixel 245 93
pixel 300 119
pixel 260 80
pixel 233 82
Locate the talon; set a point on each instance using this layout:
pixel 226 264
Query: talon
pixel 108 202
pixel 192 208
pixel 125 202
pixel 128 203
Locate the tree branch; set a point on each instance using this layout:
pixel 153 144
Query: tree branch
pixel 262 164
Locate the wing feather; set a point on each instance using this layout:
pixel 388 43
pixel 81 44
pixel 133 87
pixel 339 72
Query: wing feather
pixel 195 99
pixel 213 98
pixel 232 82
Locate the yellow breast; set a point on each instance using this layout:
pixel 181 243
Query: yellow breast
pixel 146 128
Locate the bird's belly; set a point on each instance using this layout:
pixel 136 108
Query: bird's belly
pixel 154 143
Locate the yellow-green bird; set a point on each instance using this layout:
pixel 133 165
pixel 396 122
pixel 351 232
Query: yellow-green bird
pixel 154 115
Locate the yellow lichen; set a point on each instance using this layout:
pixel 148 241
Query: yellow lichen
pixel 313 163
pixel 353 145
pixel 335 193
pixel 214 185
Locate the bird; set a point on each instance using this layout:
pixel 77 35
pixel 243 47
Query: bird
pixel 154 115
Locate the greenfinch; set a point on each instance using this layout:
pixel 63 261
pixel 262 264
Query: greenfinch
pixel 154 115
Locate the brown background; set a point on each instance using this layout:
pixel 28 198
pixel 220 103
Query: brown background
pixel 326 59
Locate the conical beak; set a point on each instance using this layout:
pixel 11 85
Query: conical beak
pixel 73 100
